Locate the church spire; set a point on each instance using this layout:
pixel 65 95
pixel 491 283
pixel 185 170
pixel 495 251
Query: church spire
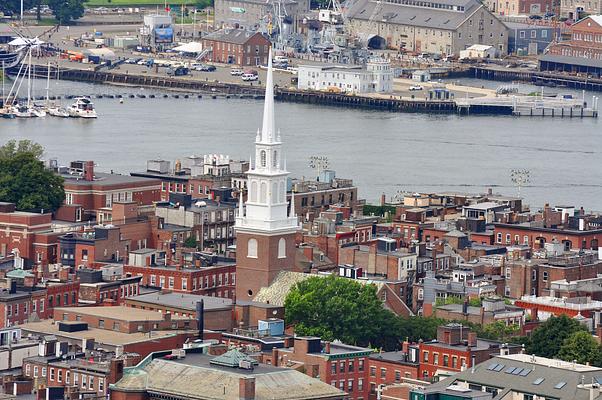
pixel 268 129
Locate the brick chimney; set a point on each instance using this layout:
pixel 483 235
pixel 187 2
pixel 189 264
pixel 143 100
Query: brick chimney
pixel 64 274
pixel 383 199
pixel 89 170
pixel 472 339
pixel 327 347
pixel 246 388
pixel 405 346
pixel 308 251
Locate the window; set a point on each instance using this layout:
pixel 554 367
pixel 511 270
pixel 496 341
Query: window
pixel 184 284
pixel 383 372
pixel 373 371
pixel 533 34
pixel 282 248
pixel 51 374
pixel 101 384
pixel 499 237
pixel 43 372
pixel 360 384
pixel 75 378
pixel 59 375
pixel 84 380
pixel 162 281
pixel 351 366
pixel 425 356
pixel 446 360
pixel 35 371
pixel 360 365
pixel 508 272
pixel 252 248
pixel 116 326
pixel 262 156
pixel 544 34
pixel 397 376
pixel 342 366
pixel 545 276
pixel 436 358
pixel 454 362
pixel 333 368
pixel 27 369
pixel 507 238
pixel 522 34
pixel 91 383
pixel 533 275
pixel 101 323
pixel 171 282
pixel 350 385
pixel 67 377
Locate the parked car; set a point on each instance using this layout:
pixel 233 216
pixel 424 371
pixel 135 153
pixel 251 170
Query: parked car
pixel 535 17
pixel 206 68
pixel 236 72
pixel 415 88
pixel 177 71
pixel 250 76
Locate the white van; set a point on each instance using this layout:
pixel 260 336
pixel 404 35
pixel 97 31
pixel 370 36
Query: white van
pixel 236 72
pixel 280 60
pixel 250 77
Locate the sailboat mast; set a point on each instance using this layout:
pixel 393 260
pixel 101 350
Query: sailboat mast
pixel 29 80
pixel 48 86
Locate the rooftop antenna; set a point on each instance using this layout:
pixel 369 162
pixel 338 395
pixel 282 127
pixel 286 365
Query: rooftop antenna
pixel 319 163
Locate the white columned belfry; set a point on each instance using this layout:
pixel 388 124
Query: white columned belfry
pixel 265 231
pixel 267 205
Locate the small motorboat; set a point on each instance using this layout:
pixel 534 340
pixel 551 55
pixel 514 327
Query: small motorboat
pixel 22 111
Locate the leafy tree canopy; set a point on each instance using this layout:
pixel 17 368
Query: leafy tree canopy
pixel 547 339
pixel 66 11
pixel 25 181
pixel 14 6
pixel 581 347
pixel 13 148
pixel 190 242
pixel 343 309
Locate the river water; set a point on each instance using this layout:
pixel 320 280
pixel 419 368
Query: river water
pixel 380 151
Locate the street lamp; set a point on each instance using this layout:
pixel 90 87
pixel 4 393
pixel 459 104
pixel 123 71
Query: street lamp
pixel 520 177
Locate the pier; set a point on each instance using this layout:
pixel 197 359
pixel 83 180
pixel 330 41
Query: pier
pixel 503 105
pixel 536 77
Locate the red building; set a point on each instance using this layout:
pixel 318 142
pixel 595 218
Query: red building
pixel 537 237
pixel 90 195
pixel 236 46
pixel 456 349
pixel 582 53
pixel 94 289
pixel 216 280
pixel 28 234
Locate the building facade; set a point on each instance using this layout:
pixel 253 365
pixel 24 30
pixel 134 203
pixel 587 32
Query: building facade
pixel 377 77
pixel 441 27
pixel 237 46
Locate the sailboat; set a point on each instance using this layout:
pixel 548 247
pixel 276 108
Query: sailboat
pixel 53 109
pixel 5 111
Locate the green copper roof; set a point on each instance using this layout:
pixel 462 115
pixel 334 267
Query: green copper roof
pixel 18 273
pixel 232 359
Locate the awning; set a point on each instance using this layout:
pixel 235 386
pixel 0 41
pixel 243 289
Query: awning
pixel 190 47
pixel 25 42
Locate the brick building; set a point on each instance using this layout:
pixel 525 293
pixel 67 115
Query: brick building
pixel 197 176
pixel 342 366
pixel 537 236
pixel 217 312
pixel 97 245
pixel 456 349
pixel 90 195
pixel 237 46
pixel 582 53
pixel 215 280
pixel 94 289
pixel 27 235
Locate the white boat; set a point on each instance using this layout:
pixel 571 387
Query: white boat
pixel 56 111
pixel 82 108
pixel 22 111
pixel 38 111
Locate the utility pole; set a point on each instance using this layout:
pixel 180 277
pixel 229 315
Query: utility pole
pixel 21 12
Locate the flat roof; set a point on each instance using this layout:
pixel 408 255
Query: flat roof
pixel 101 336
pixel 102 179
pixel 183 300
pixel 119 312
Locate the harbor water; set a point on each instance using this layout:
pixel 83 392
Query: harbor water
pixel 381 151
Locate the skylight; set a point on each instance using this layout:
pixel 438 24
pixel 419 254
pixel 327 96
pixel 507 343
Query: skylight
pixel 538 381
pixel 560 385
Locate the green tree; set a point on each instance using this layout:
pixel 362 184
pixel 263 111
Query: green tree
pixel 547 339
pixel 416 328
pixel 26 182
pixel 497 331
pixel 66 11
pixel 343 309
pixel 202 4
pixel 13 148
pixel 190 242
pixel 581 347
pixel 14 6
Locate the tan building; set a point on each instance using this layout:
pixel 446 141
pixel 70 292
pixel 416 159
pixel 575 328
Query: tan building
pixel 439 26
pixel 577 9
pixel 253 14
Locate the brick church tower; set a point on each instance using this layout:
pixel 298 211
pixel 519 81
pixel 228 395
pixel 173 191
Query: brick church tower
pixel 265 235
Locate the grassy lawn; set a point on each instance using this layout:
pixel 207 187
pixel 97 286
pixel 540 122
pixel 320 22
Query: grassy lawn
pixel 137 3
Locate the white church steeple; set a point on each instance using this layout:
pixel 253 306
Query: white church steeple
pixel 267 205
